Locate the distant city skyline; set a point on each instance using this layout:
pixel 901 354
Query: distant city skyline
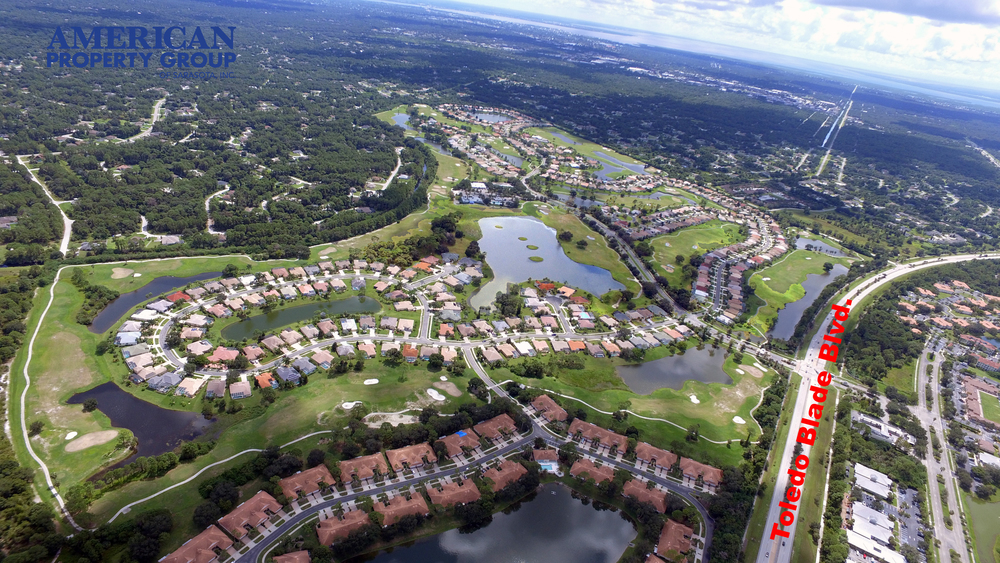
pixel 951 42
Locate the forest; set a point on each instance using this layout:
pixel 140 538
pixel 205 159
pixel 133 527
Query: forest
pixel 881 342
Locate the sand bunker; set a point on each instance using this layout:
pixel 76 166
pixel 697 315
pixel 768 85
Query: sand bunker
pixel 71 435
pixel 766 279
pixel 449 388
pixel 760 367
pixel 694 399
pixel 437 396
pixel 739 371
pixel 443 378
pixel 752 371
pixel 808 257
pixel 371 381
pixel 350 405
pixel 323 257
pixel 136 275
pixel 119 273
pixel 92 439
pixel 739 420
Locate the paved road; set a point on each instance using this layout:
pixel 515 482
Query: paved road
pixel 67 222
pixel 156 117
pixel 774 551
pixel 258 552
pixel 931 419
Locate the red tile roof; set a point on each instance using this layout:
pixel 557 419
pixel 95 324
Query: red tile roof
pixel 637 489
pixel 333 529
pixel 410 456
pixel 675 537
pixel 251 513
pixel 306 482
pixel 587 468
pixel 692 469
pixel 399 507
pixel 508 472
pixel 363 467
pixel 200 549
pixel 491 429
pixel 454 493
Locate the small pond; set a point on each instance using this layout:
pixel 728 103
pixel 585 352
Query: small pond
pixel 579 201
pixel 119 307
pixel 491 117
pixel 818 246
pixel 671 372
pixel 563 138
pixel 158 430
pixel 637 168
pixel 277 319
pixel 433 145
pixel 509 258
pixel 550 526
pixel 515 160
pixel 790 314
pixel 403 120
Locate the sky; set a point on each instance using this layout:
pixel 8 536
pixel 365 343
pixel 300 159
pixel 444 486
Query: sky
pixel 950 42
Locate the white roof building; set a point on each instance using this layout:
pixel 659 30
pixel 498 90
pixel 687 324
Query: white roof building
pixel 872 516
pixel 989 459
pixel 872 548
pixel 872 531
pixel 872 481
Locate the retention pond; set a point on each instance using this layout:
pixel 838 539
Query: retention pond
pixel 284 317
pixel 117 308
pixel 673 371
pixel 510 259
pixel 550 526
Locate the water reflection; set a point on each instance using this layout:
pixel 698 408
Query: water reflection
pixel 117 308
pixel 277 319
pixel 508 257
pixel 491 117
pixel 552 527
pixel 672 372
pixel 157 429
pixel 790 314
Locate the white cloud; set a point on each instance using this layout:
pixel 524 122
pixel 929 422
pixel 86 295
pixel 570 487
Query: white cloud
pixel 950 41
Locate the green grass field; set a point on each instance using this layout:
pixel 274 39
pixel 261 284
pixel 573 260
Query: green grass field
pixel 984 518
pixel 599 385
pixel 991 407
pixel 902 379
pixel 686 242
pixel 781 284
pixel 803 548
pixel 758 519
pixel 583 146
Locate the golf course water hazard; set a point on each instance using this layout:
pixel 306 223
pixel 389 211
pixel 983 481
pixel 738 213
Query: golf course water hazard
pixel 277 319
pixel 790 314
pixel 550 526
pixel 117 308
pixel 509 258
pixel 673 371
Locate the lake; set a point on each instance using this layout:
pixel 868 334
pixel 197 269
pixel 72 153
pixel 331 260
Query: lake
pixel 563 138
pixel 818 246
pixel 673 371
pixel 284 317
pixel 790 314
pixel 119 307
pixel 434 146
pixel 403 120
pixel 515 160
pixel 491 117
pixel 579 201
pixel 550 526
pixel 508 257
pixel 158 430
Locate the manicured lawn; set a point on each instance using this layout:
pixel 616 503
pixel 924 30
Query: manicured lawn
pixel 900 378
pixel 102 274
pixel 991 407
pixel 596 253
pixel 313 407
pixel 599 385
pixel 758 519
pixel 781 284
pixel 687 242
pixel 582 146
pixel 984 518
